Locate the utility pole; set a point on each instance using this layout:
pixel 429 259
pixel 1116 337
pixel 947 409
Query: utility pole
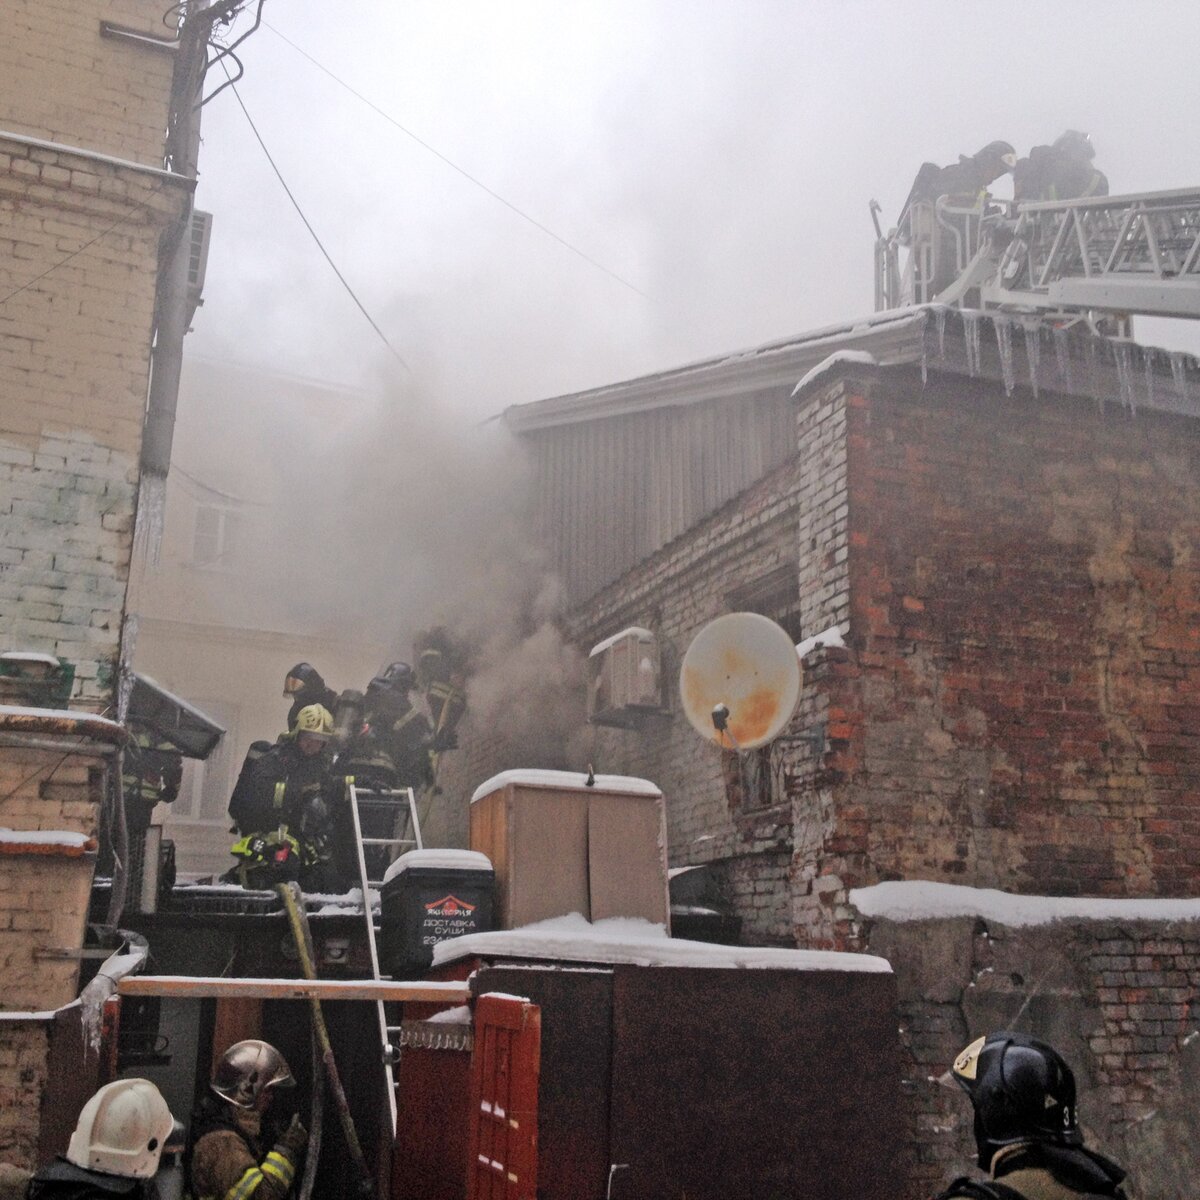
pixel 171 303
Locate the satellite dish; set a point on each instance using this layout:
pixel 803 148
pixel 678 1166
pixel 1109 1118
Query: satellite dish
pixel 740 681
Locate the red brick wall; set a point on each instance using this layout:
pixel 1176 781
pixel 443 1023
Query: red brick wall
pixel 1021 705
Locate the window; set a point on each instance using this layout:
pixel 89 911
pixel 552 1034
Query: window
pixel 214 540
pixel 775 595
pixel 204 795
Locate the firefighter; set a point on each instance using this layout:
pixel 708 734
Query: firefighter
pixel 393 747
pixel 303 685
pixel 235 1151
pixel 152 773
pixel 280 808
pixel 441 675
pixel 964 184
pixel 1062 171
pixel 115 1148
pixel 1026 1126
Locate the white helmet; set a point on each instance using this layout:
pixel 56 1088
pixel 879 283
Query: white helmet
pixel 122 1130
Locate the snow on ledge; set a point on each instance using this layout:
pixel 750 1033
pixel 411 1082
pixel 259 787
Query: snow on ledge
pixel 45 841
pixel 827 365
pixel 566 779
pixel 635 631
pixel 439 859
pixel 923 900
pixel 828 637
pixel 638 942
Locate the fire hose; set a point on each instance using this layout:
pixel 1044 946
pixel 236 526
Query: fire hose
pixel 298 921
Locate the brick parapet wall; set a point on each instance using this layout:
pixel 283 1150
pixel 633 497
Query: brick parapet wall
pixel 62 81
pixel 44 896
pixel 1116 998
pixel 1025 581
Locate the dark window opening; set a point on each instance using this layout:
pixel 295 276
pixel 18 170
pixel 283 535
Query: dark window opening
pixel 775 595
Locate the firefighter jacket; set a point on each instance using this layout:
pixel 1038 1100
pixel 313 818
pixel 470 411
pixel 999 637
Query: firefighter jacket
pixel 63 1180
pixel 1037 1171
pixel 152 773
pixel 393 748
pixel 278 787
pixel 228 1159
pixel 1050 173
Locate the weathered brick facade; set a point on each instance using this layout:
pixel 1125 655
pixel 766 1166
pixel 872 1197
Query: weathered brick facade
pixel 1016 576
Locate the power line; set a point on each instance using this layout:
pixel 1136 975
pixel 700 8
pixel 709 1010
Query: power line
pixel 308 225
pixel 454 166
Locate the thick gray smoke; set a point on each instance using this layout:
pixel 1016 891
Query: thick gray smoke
pixel 424 520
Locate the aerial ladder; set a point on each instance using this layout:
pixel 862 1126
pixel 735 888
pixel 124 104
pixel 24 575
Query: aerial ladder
pixel 1097 259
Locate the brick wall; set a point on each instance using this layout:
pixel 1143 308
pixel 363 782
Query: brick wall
pixel 74 366
pixel 1117 999
pixel 61 81
pixel 24 1059
pixel 1023 688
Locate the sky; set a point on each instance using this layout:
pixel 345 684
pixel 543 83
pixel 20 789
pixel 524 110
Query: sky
pixel 716 158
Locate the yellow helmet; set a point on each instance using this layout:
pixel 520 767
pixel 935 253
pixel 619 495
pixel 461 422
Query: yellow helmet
pixel 314 719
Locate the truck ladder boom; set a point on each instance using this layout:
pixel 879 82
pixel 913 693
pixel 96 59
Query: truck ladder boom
pixel 1135 254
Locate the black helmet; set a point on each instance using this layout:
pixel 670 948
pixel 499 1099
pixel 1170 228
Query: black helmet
pixel 1001 153
pixel 1076 144
pixel 1022 1091
pixel 301 678
pixel 395 677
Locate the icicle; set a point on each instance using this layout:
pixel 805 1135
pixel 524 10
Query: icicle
pixel 971 330
pixel 1148 367
pixel 1123 358
pixel 924 347
pixel 941 332
pixel 1033 352
pixel 1062 352
pixel 1004 344
pixel 1179 374
pixel 1093 375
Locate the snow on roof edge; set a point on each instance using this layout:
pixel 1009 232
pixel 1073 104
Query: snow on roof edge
pixel 926 900
pixel 637 942
pixel 627 784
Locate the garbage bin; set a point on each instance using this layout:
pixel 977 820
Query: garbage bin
pixel 427 897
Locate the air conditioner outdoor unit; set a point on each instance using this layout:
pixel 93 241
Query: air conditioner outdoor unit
pixel 625 679
pixel 198 239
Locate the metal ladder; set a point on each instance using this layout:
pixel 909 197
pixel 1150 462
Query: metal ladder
pixel 415 842
pixel 1137 253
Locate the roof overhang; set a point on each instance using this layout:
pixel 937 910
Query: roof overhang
pixel 193 733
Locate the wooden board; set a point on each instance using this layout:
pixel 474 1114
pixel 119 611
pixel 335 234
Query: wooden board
pixel 180 987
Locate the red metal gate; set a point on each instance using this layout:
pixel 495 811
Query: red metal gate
pixel 502 1162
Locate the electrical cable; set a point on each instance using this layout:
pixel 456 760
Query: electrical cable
pixel 74 253
pixel 308 225
pixel 465 174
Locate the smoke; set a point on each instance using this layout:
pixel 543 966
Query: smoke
pixel 425 519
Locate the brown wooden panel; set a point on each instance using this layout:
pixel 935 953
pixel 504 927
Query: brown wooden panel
pixel 754 1083
pixel 547 857
pixel 627 868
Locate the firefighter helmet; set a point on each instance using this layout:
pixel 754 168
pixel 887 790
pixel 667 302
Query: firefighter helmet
pixel 1075 144
pixel 249 1068
pixel 1022 1091
pixel 122 1129
pixel 395 677
pixel 316 720
pixel 1000 153
pixel 302 677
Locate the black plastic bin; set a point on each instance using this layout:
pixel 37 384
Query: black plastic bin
pixel 429 896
